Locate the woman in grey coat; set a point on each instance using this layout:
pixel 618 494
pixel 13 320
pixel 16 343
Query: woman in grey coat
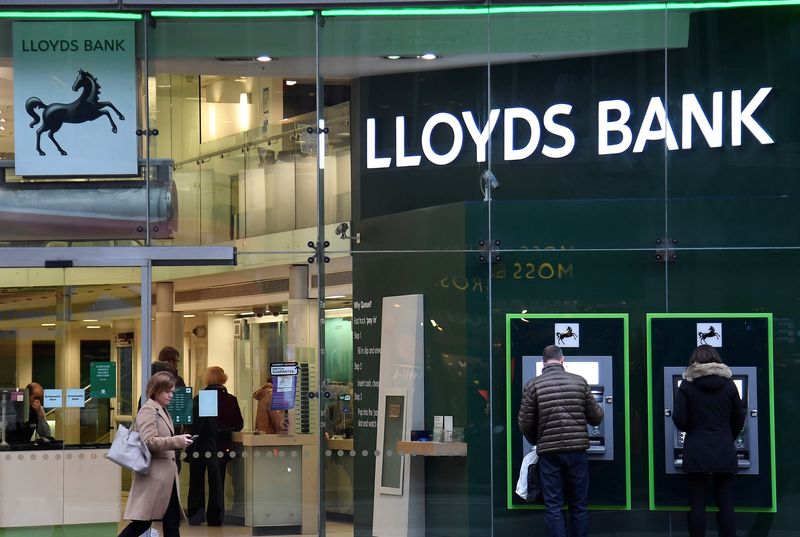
pixel 155 496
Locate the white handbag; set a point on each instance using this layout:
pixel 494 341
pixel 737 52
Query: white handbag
pixel 129 451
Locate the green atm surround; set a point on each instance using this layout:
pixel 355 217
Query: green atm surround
pixel 667 492
pixel 620 467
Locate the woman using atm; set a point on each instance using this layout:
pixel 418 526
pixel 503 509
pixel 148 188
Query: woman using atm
pixel 709 410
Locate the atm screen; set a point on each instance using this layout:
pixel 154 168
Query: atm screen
pixel 588 370
pixel 741 385
pixel 739 382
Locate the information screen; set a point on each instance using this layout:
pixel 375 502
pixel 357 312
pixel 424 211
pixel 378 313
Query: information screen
pixel 588 370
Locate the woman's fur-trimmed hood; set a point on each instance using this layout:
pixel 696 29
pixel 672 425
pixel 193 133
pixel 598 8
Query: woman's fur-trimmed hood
pixel 696 371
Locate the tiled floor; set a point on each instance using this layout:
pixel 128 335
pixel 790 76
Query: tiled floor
pixel 333 529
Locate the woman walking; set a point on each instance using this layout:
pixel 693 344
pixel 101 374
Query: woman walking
pixel 155 496
pixel 709 410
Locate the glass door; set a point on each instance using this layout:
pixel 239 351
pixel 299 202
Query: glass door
pixel 71 342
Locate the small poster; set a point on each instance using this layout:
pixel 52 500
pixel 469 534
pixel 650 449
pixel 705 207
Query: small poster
pixel 53 398
pixel 103 376
pixel 567 335
pixel 284 385
pixel 709 334
pixel 75 398
pixel 180 408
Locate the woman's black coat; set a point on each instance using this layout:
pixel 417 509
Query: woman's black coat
pixel 708 408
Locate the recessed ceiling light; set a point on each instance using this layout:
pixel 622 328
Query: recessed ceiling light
pixel 264 58
pixel 334 296
pixel 48 324
pixel 428 56
pixel 392 57
pixel 90 320
pixel 291 82
pixel 231 314
pixel 93 326
pixel 188 316
pixel 247 313
pixel 2 120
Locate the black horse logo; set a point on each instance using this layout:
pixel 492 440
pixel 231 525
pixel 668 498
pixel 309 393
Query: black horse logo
pixel 568 333
pixel 705 335
pixel 85 108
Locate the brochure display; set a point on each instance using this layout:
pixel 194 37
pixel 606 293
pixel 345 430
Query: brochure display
pixel 595 346
pixel 744 342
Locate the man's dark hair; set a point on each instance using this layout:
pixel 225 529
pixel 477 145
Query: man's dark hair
pixel 551 353
pixel 169 354
pixel 705 354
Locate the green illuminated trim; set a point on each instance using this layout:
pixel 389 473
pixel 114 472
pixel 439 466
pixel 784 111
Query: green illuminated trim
pixel 77 15
pixel 626 394
pixel 183 14
pixel 771 376
pixel 650 455
pixel 558 8
pixel 771 394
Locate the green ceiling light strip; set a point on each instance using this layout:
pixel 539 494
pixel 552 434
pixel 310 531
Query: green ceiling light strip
pixel 556 8
pixel 182 14
pixel 407 12
pixel 75 15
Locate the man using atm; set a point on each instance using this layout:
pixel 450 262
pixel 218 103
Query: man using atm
pixel 556 407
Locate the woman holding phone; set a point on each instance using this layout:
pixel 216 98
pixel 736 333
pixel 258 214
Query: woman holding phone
pixel 155 496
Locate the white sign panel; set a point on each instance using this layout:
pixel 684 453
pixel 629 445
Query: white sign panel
pixel 709 334
pixel 53 398
pixel 75 398
pixel 567 335
pixel 75 98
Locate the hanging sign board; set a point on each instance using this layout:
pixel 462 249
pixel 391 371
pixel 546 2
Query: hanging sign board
pixel 103 376
pixel 284 384
pixel 180 408
pixel 75 98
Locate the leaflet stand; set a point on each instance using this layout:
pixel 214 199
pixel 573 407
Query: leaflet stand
pixel 3 444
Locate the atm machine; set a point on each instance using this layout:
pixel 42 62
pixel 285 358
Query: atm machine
pixel 746 381
pixel 598 372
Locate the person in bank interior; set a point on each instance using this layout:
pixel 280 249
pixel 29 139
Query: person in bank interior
pixel 214 436
pixel 708 408
pixel 556 407
pixel 267 420
pixel 155 496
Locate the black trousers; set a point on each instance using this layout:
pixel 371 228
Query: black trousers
pixel 214 468
pixel 698 488
pixel 171 520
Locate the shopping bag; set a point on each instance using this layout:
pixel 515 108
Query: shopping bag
pixel 129 451
pixel 528 487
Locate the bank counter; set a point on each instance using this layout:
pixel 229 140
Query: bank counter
pixel 281 481
pixel 54 486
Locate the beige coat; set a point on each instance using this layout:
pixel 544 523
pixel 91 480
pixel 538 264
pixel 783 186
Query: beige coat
pixel 150 494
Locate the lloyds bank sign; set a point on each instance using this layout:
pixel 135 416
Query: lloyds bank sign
pixel 732 118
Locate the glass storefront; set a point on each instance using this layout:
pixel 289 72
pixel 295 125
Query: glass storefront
pixel 413 202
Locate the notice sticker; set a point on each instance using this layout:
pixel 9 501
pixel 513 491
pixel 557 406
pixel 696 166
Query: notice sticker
pixel 709 334
pixel 75 398
pixel 208 403
pixel 53 398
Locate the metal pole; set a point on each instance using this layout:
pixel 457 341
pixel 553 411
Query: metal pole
pixel 147 130
pixel 320 88
pixel 147 325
